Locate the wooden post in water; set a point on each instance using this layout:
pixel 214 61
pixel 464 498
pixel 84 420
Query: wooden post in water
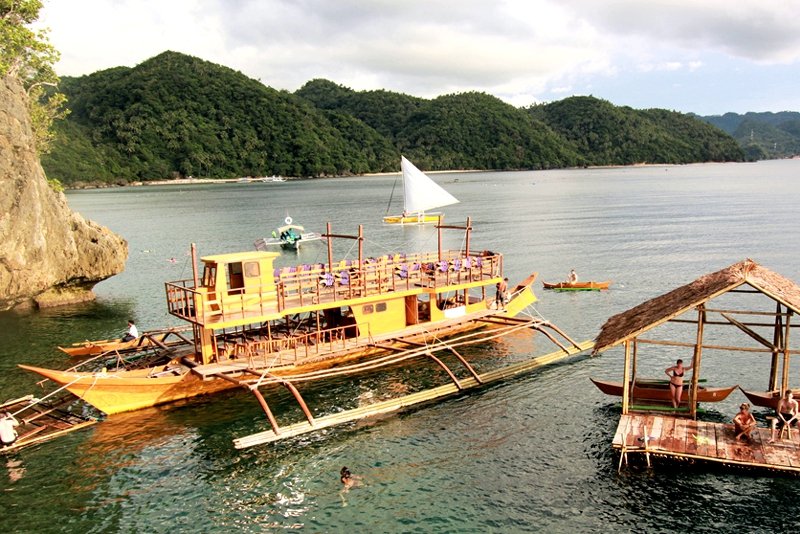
pixel 626 378
pixel 696 357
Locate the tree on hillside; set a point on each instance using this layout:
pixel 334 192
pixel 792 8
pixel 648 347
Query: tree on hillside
pixel 29 57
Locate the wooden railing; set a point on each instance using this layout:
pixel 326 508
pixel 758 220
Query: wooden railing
pixel 265 353
pixel 305 285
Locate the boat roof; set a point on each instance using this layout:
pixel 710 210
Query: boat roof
pixel 235 257
pixel 656 311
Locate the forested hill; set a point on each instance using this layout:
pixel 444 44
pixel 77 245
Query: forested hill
pixel 175 115
pixel 609 135
pixel 763 135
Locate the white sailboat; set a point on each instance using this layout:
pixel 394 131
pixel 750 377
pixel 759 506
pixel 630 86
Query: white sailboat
pixel 420 194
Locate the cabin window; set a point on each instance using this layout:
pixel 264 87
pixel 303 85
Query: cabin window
pixel 367 308
pixel 252 269
pixel 380 307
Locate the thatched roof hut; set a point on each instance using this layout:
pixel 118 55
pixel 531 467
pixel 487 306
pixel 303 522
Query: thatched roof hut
pixel 627 327
pixel 631 323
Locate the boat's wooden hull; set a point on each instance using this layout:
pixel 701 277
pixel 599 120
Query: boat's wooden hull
pixel 659 391
pixel 766 399
pixel 123 391
pixel 578 286
pixel 428 218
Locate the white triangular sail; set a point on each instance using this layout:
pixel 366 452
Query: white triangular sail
pixel 420 193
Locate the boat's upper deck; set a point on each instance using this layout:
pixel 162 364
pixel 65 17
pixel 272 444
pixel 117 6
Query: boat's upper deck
pixel 308 287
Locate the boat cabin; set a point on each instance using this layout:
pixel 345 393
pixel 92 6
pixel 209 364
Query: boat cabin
pixel 242 297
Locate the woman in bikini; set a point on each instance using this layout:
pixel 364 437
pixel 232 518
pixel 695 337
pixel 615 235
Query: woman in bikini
pixel 675 374
pixel 744 422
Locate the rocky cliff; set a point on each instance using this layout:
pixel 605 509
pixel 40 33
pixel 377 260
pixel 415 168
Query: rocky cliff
pixel 48 254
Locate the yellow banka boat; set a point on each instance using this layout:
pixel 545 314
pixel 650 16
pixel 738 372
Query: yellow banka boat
pixel 254 325
pixel 420 194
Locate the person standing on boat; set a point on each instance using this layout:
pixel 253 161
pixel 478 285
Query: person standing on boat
pixel 675 374
pixel 500 297
pixel 744 422
pixel 573 277
pixel 132 332
pixel 8 429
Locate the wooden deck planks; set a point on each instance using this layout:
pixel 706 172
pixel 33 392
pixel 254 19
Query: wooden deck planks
pixel 682 438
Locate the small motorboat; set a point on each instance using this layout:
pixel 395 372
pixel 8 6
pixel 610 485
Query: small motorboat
pixel 654 390
pixel 289 237
pixel 578 286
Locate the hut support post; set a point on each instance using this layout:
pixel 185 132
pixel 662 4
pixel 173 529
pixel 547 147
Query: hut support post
pixel 635 358
pixel 696 357
pixel 786 353
pixel 776 343
pixel 626 378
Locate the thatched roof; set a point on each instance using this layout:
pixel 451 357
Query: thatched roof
pixel 629 324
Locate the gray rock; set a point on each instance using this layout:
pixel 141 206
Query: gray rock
pixel 48 254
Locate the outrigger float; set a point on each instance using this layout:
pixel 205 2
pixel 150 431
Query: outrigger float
pixel 256 326
pixel 762 330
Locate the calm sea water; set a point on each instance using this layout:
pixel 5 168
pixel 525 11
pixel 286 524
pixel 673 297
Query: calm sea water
pixel 530 455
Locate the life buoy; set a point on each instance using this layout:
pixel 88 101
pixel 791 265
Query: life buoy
pixel 288 220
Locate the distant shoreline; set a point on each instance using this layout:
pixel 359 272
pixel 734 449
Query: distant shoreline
pixel 194 181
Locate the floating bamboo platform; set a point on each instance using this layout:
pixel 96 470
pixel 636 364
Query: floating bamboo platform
pixel 393 405
pixel 680 439
pixel 41 421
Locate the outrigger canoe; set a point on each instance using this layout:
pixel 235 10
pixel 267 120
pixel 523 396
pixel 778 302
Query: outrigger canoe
pixel 146 341
pixel 658 391
pixel 257 326
pixel 578 286
pixel 766 399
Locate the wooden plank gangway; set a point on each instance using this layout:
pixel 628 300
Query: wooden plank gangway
pixel 400 403
pixel 681 439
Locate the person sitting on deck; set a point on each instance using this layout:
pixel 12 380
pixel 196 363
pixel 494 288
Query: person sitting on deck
pixel 573 277
pixel 676 381
pixel 132 332
pixel 787 413
pixel 744 422
pixel 8 430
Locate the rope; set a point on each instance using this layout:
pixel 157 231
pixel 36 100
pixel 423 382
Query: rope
pixel 38 401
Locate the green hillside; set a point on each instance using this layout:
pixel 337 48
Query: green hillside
pixel 175 115
pixel 764 135
pixel 609 135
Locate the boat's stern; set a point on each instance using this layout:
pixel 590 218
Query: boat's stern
pixel 521 296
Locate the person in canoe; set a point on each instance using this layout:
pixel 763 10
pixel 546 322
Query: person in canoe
pixel 132 332
pixel 573 277
pixel 744 422
pixel 675 374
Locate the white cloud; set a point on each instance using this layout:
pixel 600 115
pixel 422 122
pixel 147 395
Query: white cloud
pixel 514 49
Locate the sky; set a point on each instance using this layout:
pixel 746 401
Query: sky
pixel 702 56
